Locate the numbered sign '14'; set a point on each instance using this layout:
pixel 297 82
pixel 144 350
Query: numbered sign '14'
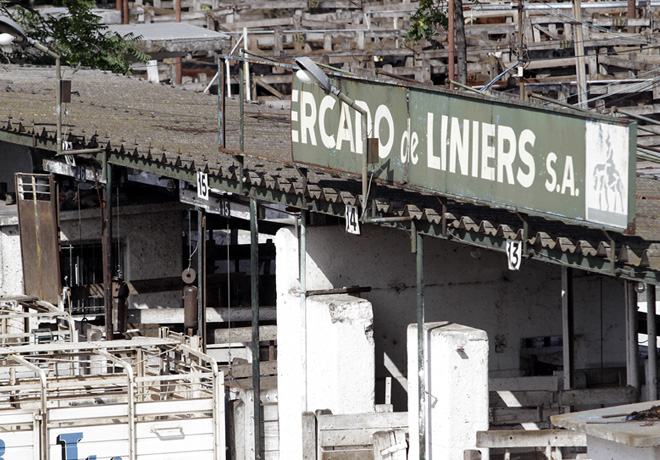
pixel 352 220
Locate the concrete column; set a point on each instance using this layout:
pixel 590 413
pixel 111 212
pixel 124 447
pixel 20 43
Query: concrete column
pixel 456 381
pixel 338 342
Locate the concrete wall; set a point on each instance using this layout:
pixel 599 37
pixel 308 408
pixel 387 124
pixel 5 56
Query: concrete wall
pixel 325 351
pixel 456 407
pixel 464 286
pixel 14 159
pixel 11 275
pixel 150 235
pixel 151 239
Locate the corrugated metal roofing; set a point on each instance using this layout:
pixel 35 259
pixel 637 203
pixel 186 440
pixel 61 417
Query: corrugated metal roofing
pixel 155 124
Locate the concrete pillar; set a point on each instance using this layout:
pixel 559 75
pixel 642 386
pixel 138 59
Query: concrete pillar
pixel 335 333
pixel 456 381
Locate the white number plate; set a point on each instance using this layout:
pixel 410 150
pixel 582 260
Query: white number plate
pixel 202 185
pixel 514 253
pixel 352 220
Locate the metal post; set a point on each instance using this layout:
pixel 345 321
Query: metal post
pixel 652 377
pixel 106 244
pixel 58 135
pixel 241 98
pixel 418 249
pixel 178 61
pixel 567 317
pixel 632 365
pixel 520 47
pixel 303 303
pixel 579 54
pixel 450 39
pixel 254 278
pixel 221 104
pixel 201 277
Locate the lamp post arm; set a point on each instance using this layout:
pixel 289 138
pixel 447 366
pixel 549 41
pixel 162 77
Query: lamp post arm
pixel 361 110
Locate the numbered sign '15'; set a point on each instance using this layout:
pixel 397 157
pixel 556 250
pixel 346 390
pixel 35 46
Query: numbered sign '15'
pixel 202 185
pixel 514 253
pixel 352 220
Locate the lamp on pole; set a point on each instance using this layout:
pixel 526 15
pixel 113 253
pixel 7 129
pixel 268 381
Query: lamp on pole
pixel 311 73
pixel 11 31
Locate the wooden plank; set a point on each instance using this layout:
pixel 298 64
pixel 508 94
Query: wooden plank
pixel 507 416
pixel 245 370
pixel 521 398
pixel 390 445
pixel 539 383
pixel 530 438
pixel 364 454
pixel 244 334
pixel 309 435
pixel 602 396
pixel 213 315
pixel 382 420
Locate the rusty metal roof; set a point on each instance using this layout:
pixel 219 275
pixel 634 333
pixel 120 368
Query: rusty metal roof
pixel 175 132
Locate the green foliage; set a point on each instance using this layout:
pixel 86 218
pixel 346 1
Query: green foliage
pixel 79 38
pixel 425 21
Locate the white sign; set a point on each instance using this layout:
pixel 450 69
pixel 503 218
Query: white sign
pixel 352 220
pixel 514 253
pixel 202 185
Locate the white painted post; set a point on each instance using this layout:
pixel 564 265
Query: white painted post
pixel 456 382
pixel 338 334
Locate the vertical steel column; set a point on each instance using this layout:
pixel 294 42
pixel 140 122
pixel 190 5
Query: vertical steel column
pixel 567 319
pixel 303 303
pixel 579 55
pixel 450 44
pixel 418 249
pixel 241 98
pixel 254 284
pixel 652 377
pixel 632 364
pixel 221 103
pixel 106 247
pixel 201 276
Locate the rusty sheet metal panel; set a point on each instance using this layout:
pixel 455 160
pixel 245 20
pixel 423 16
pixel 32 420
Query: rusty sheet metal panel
pixel 561 164
pixel 39 230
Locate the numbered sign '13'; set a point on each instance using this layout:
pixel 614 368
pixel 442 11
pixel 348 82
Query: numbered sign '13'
pixel 352 220
pixel 202 185
pixel 514 253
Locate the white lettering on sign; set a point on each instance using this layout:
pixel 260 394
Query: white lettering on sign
pixel 494 152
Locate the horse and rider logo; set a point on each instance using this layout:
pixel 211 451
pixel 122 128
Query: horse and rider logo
pixel 607 173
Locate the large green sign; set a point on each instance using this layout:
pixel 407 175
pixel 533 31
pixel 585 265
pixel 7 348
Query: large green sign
pixel 503 154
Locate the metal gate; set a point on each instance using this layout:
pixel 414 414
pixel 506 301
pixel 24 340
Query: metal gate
pixel 39 229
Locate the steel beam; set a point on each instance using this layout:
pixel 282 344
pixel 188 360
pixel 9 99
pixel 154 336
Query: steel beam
pixel 652 369
pixel 254 284
pixel 567 317
pixel 632 356
pixel 107 250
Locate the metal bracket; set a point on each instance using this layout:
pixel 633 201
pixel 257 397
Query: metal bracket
pixel 525 234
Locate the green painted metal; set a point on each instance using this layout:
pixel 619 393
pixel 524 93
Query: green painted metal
pixel 518 156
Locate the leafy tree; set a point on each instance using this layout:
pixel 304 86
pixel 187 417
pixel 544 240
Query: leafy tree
pixel 426 21
pixel 78 37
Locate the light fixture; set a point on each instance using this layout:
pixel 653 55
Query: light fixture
pixel 640 287
pixel 6 39
pixel 310 73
